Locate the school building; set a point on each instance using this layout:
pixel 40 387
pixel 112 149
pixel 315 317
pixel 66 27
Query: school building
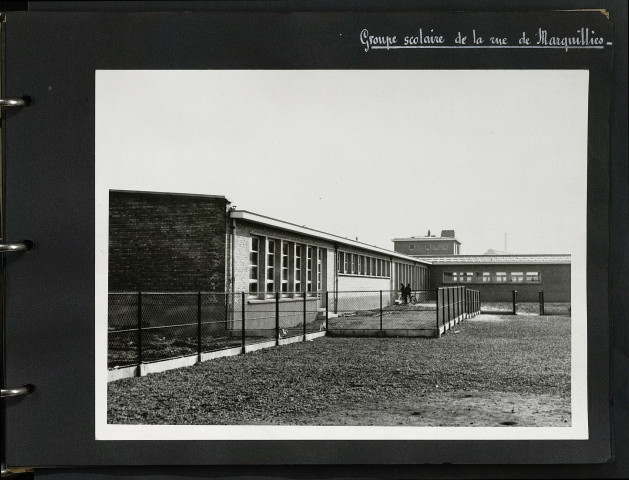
pixel 181 243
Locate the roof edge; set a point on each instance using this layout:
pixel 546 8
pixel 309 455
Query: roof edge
pixel 277 223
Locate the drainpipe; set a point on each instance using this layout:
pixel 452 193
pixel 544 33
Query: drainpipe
pixel 391 287
pixel 233 255
pixel 232 281
pixel 336 277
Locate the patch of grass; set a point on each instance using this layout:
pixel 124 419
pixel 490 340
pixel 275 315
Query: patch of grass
pixel 521 355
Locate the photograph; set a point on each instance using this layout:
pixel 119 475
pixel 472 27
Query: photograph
pixel 327 254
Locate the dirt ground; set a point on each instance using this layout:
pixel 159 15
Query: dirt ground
pixel 448 409
pixel 491 370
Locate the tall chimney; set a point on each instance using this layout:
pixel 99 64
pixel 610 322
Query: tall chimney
pixel 429 233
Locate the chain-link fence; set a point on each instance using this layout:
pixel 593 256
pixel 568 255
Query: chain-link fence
pixel 123 333
pixel 382 310
pixel 151 326
pixel 518 307
pixel 553 308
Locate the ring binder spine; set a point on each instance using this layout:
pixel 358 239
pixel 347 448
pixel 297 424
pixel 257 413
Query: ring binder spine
pixel 23 246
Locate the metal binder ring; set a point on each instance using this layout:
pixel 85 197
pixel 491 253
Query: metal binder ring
pixel 17 392
pixel 13 102
pixel 15 247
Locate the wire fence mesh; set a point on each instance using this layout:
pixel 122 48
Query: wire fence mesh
pixel 517 306
pixel 123 333
pixel 556 308
pixel 152 326
pixel 382 309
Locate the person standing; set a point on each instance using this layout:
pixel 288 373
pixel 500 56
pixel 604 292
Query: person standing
pixel 403 293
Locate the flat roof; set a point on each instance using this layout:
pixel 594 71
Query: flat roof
pixel 174 194
pixel 292 227
pixel 424 239
pixel 500 259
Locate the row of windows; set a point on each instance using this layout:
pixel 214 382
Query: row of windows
pixel 354 264
pixel 288 267
pixel 415 275
pixel 429 247
pixel 491 277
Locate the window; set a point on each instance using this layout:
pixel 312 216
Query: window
pixel 411 247
pixel 254 253
pixel 517 277
pixel 427 247
pixel 483 277
pixel 319 269
pixel 364 265
pixel 339 262
pixel 270 266
pixel 501 277
pixel 466 277
pixel 284 268
pixel 458 277
pixel 532 277
pixel 309 260
pixel 298 268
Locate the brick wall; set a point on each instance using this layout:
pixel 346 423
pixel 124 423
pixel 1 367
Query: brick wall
pixel 167 242
pixel 427 247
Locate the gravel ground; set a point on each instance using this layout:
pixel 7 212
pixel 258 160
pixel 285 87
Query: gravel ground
pixel 486 367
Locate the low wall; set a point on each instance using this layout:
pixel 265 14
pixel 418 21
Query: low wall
pixel 186 361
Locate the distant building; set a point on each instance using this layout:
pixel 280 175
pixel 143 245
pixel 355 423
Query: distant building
pixel 430 245
pixel 496 276
pixel 493 251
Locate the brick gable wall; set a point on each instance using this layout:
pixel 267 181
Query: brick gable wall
pixel 165 242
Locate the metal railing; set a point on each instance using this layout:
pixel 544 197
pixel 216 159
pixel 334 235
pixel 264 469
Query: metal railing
pixel 455 304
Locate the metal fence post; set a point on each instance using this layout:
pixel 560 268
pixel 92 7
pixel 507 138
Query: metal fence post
pixel 242 297
pixel 305 316
pixel 541 302
pixel 277 317
pixel 437 307
pixel 457 305
pixel 139 328
pixel 448 303
pixel 515 296
pixel 380 310
pixel 327 298
pixel 199 324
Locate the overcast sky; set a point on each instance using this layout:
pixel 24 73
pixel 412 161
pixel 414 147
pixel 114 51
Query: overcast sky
pixel 367 154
